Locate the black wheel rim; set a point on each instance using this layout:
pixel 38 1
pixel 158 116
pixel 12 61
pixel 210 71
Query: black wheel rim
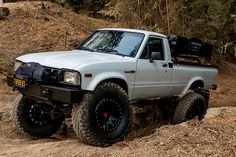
pixel 194 111
pixel 108 115
pixel 39 114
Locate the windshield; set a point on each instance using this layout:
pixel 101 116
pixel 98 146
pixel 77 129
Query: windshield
pixel 113 42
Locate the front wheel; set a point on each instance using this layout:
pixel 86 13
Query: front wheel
pixel 103 116
pixel 34 120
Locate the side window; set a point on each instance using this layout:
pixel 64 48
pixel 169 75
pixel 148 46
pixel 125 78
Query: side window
pixel 153 45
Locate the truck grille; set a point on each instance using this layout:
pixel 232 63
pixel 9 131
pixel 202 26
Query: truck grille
pixel 56 78
pixel 50 76
pixel 54 75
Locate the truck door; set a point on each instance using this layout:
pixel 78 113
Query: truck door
pixel 153 77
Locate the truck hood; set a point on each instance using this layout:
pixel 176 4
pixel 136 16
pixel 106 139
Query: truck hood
pixel 69 59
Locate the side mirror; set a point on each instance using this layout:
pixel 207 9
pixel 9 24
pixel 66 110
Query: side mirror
pixel 155 56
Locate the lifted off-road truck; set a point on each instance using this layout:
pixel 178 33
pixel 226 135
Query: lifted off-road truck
pixel 96 84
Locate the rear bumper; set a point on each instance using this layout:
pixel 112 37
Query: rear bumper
pixel 49 93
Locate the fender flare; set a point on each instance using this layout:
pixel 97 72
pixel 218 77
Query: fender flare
pixel 102 77
pixel 191 82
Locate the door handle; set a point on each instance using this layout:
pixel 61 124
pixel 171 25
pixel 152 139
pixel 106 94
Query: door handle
pixel 164 65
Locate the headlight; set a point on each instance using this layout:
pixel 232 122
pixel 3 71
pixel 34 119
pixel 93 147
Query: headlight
pixel 72 78
pixel 17 64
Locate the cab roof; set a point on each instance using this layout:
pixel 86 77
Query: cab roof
pixel 135 31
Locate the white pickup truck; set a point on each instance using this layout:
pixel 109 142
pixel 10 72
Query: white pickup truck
pixel 97 83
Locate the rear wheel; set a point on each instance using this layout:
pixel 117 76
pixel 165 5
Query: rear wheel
pixel 190 106
pixel 34 120
pixel 103 116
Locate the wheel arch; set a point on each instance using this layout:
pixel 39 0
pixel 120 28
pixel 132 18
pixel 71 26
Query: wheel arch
pixel 117 81
pixel 116 78
pixel 194 83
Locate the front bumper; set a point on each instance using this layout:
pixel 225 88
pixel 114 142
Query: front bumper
pixel 49 93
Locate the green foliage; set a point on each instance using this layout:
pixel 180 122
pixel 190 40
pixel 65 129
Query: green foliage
pixel 83 5
pixel 210 20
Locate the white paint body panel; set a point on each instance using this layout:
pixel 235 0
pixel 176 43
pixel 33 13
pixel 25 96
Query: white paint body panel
pixel 150 80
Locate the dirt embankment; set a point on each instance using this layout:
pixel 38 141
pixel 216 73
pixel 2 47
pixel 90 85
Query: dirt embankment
pixel 36 26
pixel 225 95
pixel 32 27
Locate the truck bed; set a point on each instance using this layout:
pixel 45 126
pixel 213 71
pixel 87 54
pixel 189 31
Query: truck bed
pixel 183 78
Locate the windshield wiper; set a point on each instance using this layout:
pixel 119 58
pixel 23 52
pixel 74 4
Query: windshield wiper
pixel 111 51
pixel 85 48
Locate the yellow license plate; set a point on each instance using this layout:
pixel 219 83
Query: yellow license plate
pixel 19 82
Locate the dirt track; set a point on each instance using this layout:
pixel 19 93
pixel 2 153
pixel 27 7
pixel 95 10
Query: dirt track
pixel 214 136
pixel 28 29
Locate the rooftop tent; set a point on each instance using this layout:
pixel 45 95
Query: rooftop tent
pixel 207 50
pixel 178 45
pixel 191 47
pixel 195 46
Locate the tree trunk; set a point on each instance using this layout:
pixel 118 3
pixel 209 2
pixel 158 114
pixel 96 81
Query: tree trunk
pixel 168 17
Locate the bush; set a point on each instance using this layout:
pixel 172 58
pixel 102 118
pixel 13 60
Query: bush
pixel 84 5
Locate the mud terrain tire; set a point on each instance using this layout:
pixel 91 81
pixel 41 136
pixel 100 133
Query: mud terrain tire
pixel 103 116
pixel 22 119
pixel 189 106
